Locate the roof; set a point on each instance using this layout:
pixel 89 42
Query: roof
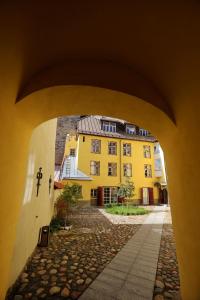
pixel 91 125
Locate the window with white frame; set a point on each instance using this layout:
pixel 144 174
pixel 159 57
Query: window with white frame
pixel 156 149
pixel 94 167
pixel 93 193
pixel 96 146
pixel 112 169
pixel 158 164
pixel 109 126
pixel 110 195
pixel 147 171
pixel 130 129
pixel 143 132
pixel 112 148
pixel 72 152
pixel 127 170
pixel 127 149
pixel 147 151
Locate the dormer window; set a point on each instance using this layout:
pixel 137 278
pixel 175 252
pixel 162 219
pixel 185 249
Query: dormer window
pixel 144 132
pixel 109 126
pixel 130 129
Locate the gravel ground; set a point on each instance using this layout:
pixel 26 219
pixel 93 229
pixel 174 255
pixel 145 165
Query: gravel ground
pixel 167 284
pixel 73 258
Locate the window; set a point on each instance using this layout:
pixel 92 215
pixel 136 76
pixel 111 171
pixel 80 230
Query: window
pixel 72 152
pixel 130 129
pixel 112 148
pixel 93 193
pixel 143 132
pixel 147 171
pixel 127 149
pixel 158 164
pixel 147 151
pixel 83 138
pixel 95 167
pixel 96 146
pixel 109 195
pixel 109 126
pixel 127 170
pixel 156 149
pixel 112 169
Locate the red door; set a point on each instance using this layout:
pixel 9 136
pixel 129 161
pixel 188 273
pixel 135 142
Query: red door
pixel 100 196
pixel 151 198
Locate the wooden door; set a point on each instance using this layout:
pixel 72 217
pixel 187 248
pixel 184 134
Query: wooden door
pixel 100 196
pixel 151 198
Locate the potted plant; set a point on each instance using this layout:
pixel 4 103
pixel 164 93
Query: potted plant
pixel 68 198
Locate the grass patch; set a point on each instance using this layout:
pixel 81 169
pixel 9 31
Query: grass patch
pixel 126 210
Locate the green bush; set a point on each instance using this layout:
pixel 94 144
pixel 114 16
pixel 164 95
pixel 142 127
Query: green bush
pixel 55 224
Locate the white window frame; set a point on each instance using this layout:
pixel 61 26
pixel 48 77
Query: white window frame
pixel 147 171
pixel 130 129
pixel 95 146
pixel 147 151
pixel 112 148
pixel 109 195
pixel 109 126
pixel 143 132
pixel 127 149
pixel 112 169
pixel 93 193
pixel 94 168
pixel 127 170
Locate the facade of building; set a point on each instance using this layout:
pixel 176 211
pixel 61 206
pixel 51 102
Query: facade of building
pixel 106 152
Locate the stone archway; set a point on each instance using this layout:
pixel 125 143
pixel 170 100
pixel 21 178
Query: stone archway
pixel 51 102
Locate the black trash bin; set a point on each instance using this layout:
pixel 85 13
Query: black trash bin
pixel 43 240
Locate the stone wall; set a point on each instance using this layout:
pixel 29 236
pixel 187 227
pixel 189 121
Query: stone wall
pixel 64 125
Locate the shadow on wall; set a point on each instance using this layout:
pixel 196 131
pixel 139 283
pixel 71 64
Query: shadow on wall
pixel 36 211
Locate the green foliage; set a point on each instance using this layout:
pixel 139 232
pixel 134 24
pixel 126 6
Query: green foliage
pixel 55 224
pixel 126 190
pixel 71 193
pixel 126 210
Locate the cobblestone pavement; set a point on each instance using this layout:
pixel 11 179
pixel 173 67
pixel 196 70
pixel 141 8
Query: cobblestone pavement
pixel 73 259
pixel 167 284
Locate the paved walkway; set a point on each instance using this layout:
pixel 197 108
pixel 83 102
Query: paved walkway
pixel 131 274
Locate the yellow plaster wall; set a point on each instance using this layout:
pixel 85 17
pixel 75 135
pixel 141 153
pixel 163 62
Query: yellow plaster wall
pixel 35 211
pixel 136 159
pixel 19 120
pixel 166 54
pixel 71 143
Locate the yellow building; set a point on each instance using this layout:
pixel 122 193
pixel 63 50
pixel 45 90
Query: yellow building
pixel 106 152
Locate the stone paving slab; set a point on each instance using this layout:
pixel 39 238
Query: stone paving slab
pixel 131 274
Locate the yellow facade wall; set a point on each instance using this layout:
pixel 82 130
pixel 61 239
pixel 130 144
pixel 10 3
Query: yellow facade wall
pixel 35 211
pixel 137 160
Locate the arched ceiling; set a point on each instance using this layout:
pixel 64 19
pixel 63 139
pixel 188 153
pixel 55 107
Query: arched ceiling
pixel 98 74
pixel 148 49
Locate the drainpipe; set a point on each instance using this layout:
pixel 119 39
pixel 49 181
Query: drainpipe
pixel 120 161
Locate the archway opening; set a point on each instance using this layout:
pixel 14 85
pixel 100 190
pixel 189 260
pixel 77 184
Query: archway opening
pixel 52 102
pixel 142 130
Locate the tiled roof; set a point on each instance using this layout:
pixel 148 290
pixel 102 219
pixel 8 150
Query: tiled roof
pixel 92 126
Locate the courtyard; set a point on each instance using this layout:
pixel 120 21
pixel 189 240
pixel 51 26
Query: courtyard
pixel 75 258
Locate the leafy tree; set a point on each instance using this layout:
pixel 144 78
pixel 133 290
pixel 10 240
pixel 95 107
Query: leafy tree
pixel 69 197
pixel 126 190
